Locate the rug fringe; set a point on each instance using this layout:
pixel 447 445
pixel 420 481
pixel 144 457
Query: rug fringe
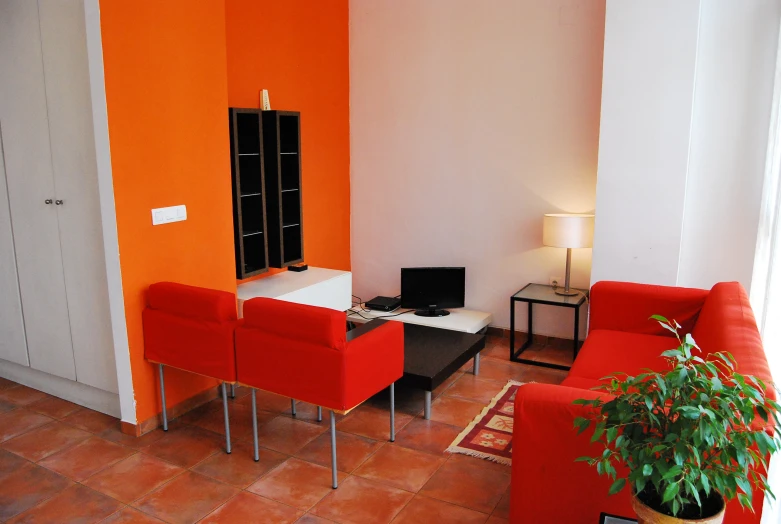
pixel 478 454
pixel 453 448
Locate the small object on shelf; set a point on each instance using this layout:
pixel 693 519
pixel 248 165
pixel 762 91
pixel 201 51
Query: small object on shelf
pixel 265 105
pixel 299 268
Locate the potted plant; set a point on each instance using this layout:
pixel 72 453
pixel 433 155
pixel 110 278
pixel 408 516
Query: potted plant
pixel 689 438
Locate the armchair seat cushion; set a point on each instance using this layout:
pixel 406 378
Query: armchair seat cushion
pixel 604 352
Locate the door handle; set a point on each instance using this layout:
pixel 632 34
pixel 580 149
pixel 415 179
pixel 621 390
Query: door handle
pixel 58 202
pixel 47 201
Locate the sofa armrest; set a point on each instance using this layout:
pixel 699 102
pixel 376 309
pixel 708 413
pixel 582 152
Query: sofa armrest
pixel 625 306
pixel 547 484
pixel 373 361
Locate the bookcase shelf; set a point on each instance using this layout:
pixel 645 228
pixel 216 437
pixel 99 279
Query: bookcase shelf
pixel 282 167
pixel 249 203
pixel 266 171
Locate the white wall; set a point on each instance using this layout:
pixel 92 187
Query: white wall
pixel 469 121
pixel 685 113
pixel 736 59
pixel 647 97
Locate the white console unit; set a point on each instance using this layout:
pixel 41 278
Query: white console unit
pixel 316 286
pixel 465 320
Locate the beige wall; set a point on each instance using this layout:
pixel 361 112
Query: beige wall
pixel 469 121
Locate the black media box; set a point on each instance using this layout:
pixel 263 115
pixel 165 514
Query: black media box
pixel 383 303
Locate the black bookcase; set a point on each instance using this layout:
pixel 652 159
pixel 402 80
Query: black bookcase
pixel 281 139
pixel 249 195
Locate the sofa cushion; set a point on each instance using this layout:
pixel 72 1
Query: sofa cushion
pixel 605 352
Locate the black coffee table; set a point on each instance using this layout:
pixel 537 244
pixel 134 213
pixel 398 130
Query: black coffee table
pixel 431 355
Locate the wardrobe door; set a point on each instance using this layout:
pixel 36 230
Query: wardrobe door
pixel 65 67
pixel 30 184
pixel 13 346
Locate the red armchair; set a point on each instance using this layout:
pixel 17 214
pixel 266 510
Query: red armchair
pixel 192 329
pixel 304 352
pixel 547 485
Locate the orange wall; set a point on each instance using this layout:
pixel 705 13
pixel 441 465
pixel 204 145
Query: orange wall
pixel 167 109
pixel 299 51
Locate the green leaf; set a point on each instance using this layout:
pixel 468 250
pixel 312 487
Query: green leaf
pixel 617 486
pixel 690 340
pixel 612 432
pixel 647 470
pixel 640 485
pixel 692 490
pixel 762 413
pixel 670 492
pixel 659 318
pixel 674 471
pixel 582 424
pixel 672 353
pixel 705 483
pixel 743 484
pixel 583 459
pixel 744 500
pixel 598 431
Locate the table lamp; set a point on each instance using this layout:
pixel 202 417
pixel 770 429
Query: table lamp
pixel 570 231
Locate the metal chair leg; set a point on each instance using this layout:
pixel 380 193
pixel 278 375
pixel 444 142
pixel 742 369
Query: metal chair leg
pixel 319 414
pixel 255 426
pixel 293 406
pixel 227 421
pixel 392 412
pixel 233 390
pixel 334 483
pixel 162 395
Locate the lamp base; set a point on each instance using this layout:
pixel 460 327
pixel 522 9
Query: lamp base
pixel 566 292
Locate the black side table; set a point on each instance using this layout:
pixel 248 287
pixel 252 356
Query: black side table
pixel 542 294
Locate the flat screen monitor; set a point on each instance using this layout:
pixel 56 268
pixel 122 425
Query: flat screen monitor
pixel 429 290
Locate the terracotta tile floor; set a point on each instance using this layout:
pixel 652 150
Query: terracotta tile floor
pixel 61 463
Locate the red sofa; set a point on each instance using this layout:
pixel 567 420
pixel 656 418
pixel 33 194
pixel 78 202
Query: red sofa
pixel 548 486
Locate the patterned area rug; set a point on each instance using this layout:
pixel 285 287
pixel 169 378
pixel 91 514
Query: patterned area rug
pixel 490 435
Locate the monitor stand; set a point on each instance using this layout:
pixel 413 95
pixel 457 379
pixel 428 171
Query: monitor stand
pixel 432 312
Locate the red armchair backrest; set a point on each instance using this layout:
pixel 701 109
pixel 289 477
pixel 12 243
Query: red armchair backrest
pixel 313 325
pixel 193 302
pixel 726 323
pixel 191 328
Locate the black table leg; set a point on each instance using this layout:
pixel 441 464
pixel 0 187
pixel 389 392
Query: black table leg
pixel 515 356
pixel 577 332
pixel 512 329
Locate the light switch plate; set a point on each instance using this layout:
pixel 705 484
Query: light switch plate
pixel 166 215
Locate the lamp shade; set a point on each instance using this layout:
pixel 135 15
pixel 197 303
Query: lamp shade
pixel 562 230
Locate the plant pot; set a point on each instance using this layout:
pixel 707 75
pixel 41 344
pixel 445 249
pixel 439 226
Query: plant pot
pixel 646 515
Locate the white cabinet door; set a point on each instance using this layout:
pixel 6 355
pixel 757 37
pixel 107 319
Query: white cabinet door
pixel 30 182
pixel 65 66
pixel 13 345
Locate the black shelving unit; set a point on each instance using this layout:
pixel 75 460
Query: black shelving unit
pixel 282 168
pixel 249 195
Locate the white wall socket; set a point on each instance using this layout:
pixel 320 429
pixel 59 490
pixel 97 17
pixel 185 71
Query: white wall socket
pixel 556 281
pixel 166 215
